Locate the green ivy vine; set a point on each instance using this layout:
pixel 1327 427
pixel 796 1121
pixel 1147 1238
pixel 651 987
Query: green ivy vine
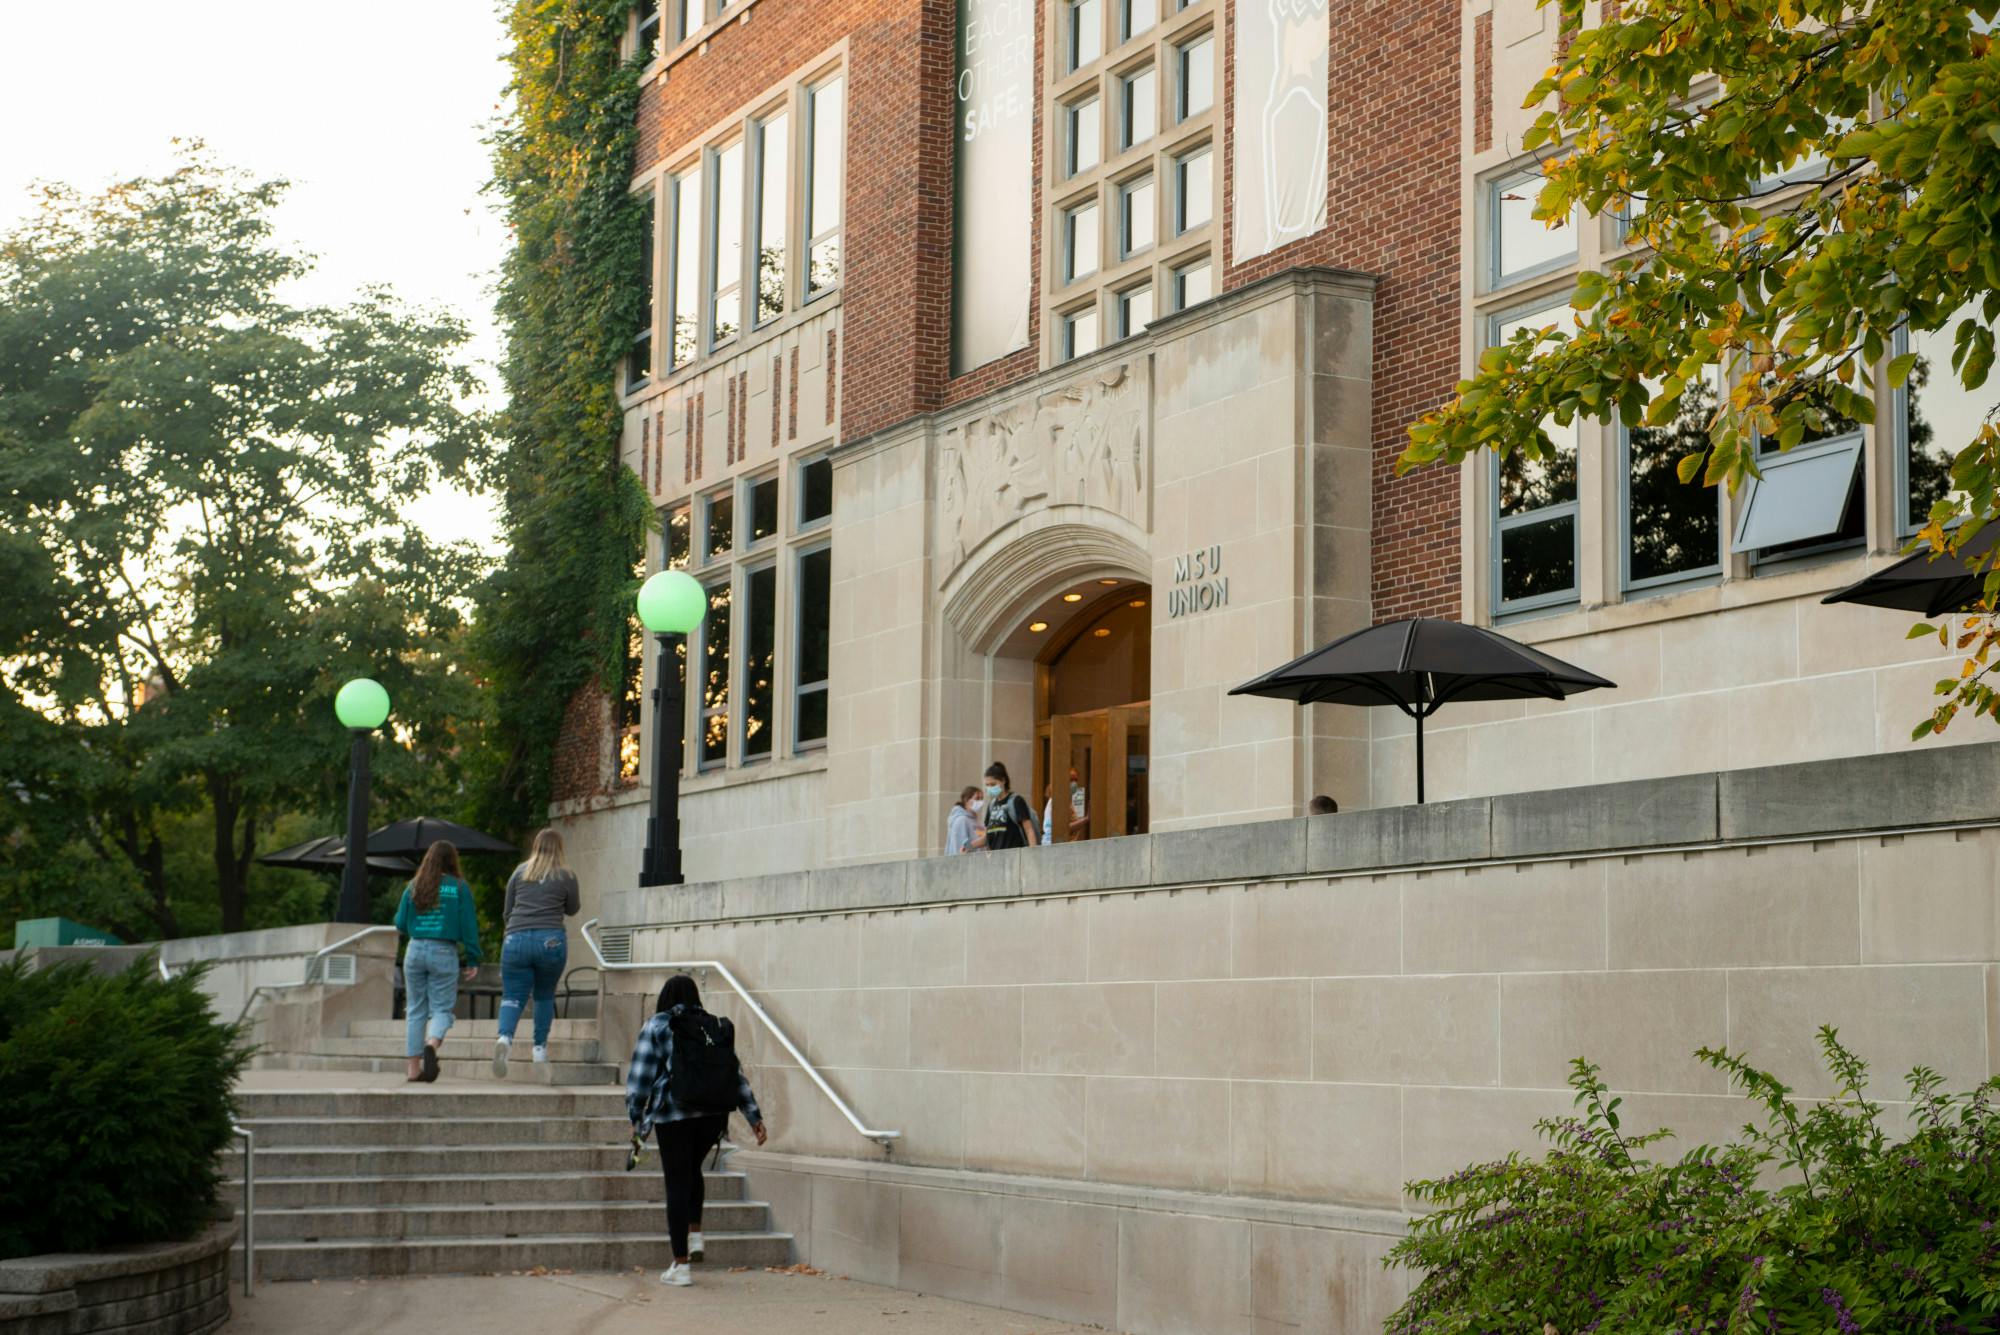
pixel 552 618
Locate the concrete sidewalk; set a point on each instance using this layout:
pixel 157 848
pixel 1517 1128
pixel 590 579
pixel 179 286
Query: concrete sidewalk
pixel 750 1302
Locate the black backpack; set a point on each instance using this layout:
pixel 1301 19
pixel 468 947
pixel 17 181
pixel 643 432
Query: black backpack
pixel 704 1077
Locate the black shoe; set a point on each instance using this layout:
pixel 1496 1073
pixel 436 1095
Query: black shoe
pixel 430 1064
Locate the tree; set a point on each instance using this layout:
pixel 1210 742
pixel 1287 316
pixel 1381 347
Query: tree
pixel 200 533
pixel 1804 178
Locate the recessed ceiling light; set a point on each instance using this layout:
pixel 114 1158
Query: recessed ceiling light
pixel 1138 602
pixel 1072 597
pixel 1038 626
pixel 1108 583
pixel 1101 632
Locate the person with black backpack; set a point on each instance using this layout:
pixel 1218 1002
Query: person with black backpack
pixel 1009 822
pixel 683 1084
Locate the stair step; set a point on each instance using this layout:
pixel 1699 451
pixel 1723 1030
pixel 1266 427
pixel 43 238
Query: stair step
pixel 442 1160
pixel 476 1029
pixel 282 1133
pixel 386 1191
pixel 502 1219
pixel 521 1072
pixel 434 1101
pixel 364 1258
pixel 454 1045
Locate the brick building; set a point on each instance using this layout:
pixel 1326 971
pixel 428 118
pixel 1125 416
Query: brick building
pixel 1026 373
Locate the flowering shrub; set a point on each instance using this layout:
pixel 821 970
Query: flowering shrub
pixel 1816 1219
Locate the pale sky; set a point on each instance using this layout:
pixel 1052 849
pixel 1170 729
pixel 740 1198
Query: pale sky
pixel 375 111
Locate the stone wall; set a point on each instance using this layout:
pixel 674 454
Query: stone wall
pixel 1238 1044
pixel 174 1288
pixel 290 1016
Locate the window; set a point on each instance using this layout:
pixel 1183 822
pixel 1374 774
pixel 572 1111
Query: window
pixel 1135 16
pixel 726 227
pixel 1535 534
pixel 815 491
pixel 814 584
pixel 823 182
pixel 1079 332
pixel 1194 196
pixel 713 747
pixel 1083 136
pixel 648 30
pixel 1522 245
pixel 1809 497
pixel 1085 25
pixel 763 508
pixel 718 529
pixel 679 539
pixel 1194 85
pixel 639 362
pixel 1079 232
pixel 684 264
pixel 682 25
pixel 1936 417
pixel 773 172
pixel 1135 310
pixel 760 657
pixel 1673 529
pixel 1136 216
pixel 1193 283
pixel 1138 108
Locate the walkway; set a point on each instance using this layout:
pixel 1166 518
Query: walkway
pixel 720 1303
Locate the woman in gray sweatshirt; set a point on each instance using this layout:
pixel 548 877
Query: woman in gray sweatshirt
pixel 540 894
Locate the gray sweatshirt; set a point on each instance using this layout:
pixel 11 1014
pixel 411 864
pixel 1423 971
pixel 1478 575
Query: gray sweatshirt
pixel 537 906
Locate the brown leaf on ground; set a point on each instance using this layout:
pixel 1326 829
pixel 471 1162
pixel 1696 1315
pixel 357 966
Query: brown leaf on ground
pixel 800 1269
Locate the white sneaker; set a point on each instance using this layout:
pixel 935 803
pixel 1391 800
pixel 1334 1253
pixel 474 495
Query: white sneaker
pixel 541 1055
pixel 677 1275
pixel 694 1246
pixel 501 1047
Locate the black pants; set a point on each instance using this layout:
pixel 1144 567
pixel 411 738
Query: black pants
pixel 683 1145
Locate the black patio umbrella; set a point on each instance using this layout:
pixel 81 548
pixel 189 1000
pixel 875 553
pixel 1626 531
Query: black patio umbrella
pixel 329 853
pixel 411 838
pixel 1925 583
pixel 1420 665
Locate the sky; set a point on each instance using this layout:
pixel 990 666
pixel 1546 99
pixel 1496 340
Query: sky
pixel 374 110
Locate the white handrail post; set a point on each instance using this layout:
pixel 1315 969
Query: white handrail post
pixel 249 1208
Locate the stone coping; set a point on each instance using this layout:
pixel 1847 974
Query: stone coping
pixel 1253 1209
pixel 1831 798
pixel 58 1271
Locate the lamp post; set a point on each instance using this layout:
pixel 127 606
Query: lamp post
pixel 361 706
pixel 671 604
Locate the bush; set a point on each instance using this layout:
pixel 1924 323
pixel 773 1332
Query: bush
pixel 1863 1232
pixel 115 1101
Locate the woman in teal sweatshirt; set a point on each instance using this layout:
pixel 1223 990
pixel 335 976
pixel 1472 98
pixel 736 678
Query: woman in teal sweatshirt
pixel 436 914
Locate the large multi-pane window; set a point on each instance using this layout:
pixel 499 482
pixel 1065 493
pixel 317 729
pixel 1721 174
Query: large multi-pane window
pixel 1129 220
pixel 825 135
pixel 1534 550
pixel 742 246
pixel 1936 417
pixel 1672 530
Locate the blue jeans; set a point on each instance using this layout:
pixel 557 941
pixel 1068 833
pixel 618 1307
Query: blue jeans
pixel 531 960
pixel 430 990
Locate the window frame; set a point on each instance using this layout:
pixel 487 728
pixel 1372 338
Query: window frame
pixel 1654 584
pixel 702 711
pixel 746 491
pixel 641 363
pixel 1182 111
pixel 800 523
pixel 1128 101
pixel 1177 281
pixel 1067 214
pixel 1072 166
pixel 1127 189
pixel 742 606
pixel 1066 330
pixel 810 238
pixel 1120 297
pixel 1503 607
pixel 702 555
pixel 800 688
pixel 1073 58
pixel 1853 442
pixel 760 124
pixel 1180 161
pixel 677 188
pixel 1496 277
pixel 715 290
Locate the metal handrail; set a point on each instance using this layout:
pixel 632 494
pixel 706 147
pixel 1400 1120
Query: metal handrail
pixel 883 1138
pixel 249 1207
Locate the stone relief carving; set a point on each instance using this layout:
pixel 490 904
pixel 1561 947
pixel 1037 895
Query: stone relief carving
pixel 1083 443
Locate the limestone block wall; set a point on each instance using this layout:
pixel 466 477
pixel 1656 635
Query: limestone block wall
pixel 275 958
pixel 1240 1044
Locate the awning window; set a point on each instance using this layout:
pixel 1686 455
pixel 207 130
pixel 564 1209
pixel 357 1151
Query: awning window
pixel 1801 496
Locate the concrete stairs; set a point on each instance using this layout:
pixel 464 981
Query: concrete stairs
pixel 432 1180
pixel 575 1057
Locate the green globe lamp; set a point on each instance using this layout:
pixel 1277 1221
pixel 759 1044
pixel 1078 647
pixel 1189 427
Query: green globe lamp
pixel 362 706
pixel 671 606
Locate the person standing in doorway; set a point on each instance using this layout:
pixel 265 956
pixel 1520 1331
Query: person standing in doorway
pixel 436 913
pixel 1009 821
pixel 961 828
pixel 540 894
pixel 683 1083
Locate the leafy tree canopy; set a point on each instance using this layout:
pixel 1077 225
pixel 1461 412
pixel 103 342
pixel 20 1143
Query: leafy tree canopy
pixel 1693 118
pixel 202 536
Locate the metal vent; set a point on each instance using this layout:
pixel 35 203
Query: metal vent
pixel 617 946
pixel 338 970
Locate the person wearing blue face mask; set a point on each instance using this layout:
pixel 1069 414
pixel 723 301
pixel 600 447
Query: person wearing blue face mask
pixel 1009 821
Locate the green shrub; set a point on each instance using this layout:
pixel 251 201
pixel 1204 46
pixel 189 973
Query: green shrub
pixel 115 1100
pixel 1816 1219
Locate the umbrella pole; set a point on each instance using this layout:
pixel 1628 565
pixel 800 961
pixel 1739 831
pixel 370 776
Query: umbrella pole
pixel 1420 756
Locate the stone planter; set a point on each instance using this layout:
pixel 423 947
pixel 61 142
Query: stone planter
pixel 177 1287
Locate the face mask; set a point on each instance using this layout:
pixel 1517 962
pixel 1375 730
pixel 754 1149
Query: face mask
pixel 993 791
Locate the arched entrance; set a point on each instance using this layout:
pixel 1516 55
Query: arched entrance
pixel 1092 650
